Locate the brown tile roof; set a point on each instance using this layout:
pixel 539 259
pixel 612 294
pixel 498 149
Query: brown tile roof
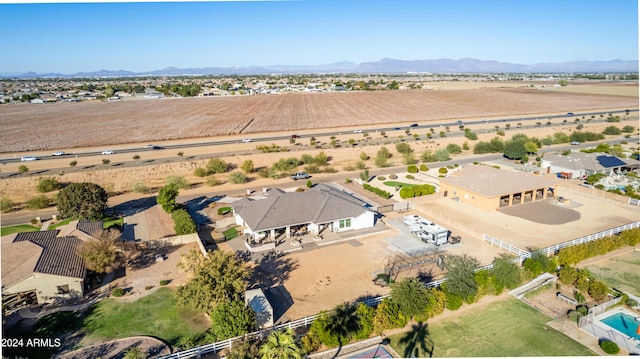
pixel 321 204
pixel 58 255
pixel 92 228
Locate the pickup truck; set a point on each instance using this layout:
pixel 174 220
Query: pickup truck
pixel 299 175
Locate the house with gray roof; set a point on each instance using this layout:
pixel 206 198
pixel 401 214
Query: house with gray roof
pixel 581 165
pixel 319 208
pixel 44 266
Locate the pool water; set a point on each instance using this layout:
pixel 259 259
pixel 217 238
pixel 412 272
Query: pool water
pixel 624 323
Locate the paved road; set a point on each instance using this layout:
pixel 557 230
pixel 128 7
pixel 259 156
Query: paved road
pixel 129 207
pixel 453 124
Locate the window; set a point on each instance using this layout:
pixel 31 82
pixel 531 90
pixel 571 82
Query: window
pixel 345 223
pixel 63 289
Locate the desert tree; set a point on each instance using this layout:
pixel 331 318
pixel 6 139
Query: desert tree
pixel 101 253
pixel 167 197
pixel 231 319
pixel 82 200
pixel 460 276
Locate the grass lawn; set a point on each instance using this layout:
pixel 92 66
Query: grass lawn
pixel 110 222
pixel 621 272
pixel 17 229
pixel 61 223
pixel 397 184
pixel 506 328
pixel 156 314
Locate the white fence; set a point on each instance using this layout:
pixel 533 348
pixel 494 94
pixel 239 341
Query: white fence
pixel 496 242
pixel 306 322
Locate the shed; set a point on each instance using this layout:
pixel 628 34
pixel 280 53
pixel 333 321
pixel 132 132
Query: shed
pixel 256 299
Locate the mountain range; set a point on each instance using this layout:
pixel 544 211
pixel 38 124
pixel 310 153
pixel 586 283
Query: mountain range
pixel 386 65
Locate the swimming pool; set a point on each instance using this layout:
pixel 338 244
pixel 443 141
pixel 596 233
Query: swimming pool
pixel 624 323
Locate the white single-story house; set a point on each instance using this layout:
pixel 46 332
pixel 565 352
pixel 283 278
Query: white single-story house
pixel 321 207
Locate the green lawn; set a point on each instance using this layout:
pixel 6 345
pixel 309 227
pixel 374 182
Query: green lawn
pixel 110 222
pixel 17 229
pixel 507 328
pixel 621 272
pixel 156 314
pixel 397 184
pixel 61 223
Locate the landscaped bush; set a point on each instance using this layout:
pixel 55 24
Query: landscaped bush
pixel 376 190
pixel 609 347
pixel 183 223
pixel 424 168
pixel 393 177
pixel 381 178
pixel 164 282
pixel 442 170
pixel 411 177
pixel 272 148
pixel 212 181
pixel 148 287
pixel 237 178
pixel 574 316
pixel 117 292
pixel 180 182
pixel 48 184
pixel 412 169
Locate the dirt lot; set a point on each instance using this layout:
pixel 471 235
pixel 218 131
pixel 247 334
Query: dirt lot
pixel 30 127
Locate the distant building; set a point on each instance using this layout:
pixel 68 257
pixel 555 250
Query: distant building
pixel 581 165
pixel 491 189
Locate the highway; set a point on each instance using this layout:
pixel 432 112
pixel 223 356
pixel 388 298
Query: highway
pixel 143 201
pixel 454 124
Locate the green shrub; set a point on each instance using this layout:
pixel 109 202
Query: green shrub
pixel 6 204
pixel 180 182
pixel 23 169
pixel 424 168
pixel 574 316
pixel 381 178
pixel 139 187
pixel 470 135
pixel 412 169
pixel 309 184
pixel 106 161
pixel 442 170
pixel 183 223
pixel 361 165
pixel 117 292
pixel 38 202
pixel 216 165
pixel 237 178
pixel 164 282
pixel 48 184
pixel 376 190
pixel 609 347
pixel 411 177
pixel 73 163
pixel 406 192
pixel 148 287
pixel 200 172
pixel 212 181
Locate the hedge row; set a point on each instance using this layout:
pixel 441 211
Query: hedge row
pixel 417 191
pixel 376 190
pixel 183 223
pixel 574 254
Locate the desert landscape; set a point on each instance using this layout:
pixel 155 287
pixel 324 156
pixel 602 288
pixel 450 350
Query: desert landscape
pixel 28 127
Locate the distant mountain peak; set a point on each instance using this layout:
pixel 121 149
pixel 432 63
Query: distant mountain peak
pixel 384 65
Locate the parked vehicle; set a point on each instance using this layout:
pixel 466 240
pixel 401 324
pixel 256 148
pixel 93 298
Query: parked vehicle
pixel 108 152
pixel 28 158
pixel 299 175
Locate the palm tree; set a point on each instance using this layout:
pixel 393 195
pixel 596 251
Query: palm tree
pixel 281 345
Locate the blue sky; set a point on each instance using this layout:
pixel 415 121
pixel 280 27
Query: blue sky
pixel 74 37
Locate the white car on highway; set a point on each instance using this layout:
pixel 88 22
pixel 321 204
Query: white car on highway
pixel 247 140
pixel 107 152
pixel 28 158
pixel 58 153
pixel 357 131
